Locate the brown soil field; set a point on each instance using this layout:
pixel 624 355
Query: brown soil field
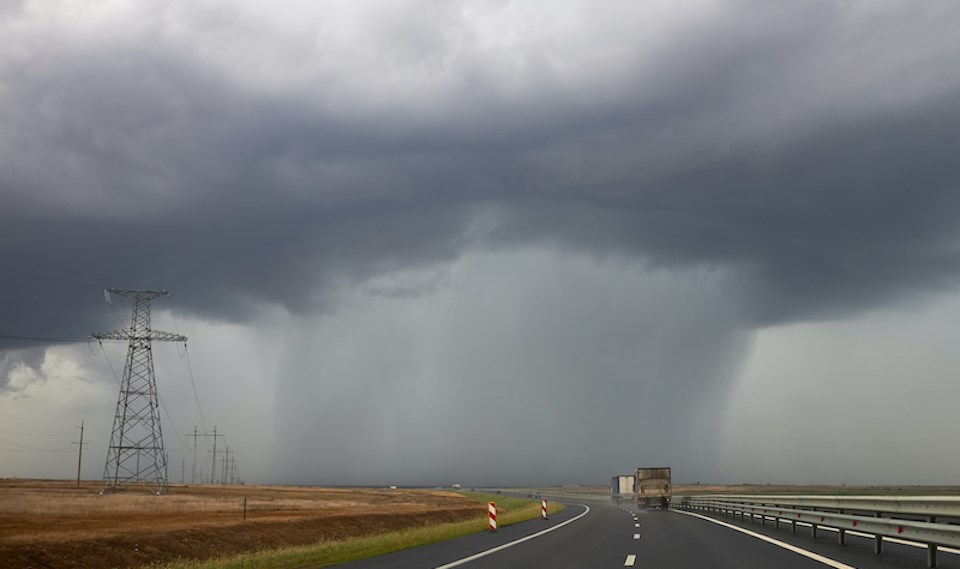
pixel 54 524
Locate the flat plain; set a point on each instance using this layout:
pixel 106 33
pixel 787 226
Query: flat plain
pixel 56 524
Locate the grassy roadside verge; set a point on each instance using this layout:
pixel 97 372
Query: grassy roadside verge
pixel 327 553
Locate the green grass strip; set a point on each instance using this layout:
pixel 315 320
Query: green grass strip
pixel 326 553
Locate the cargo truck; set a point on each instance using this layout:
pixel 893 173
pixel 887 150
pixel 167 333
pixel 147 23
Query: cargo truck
pixel 653 488
pixel 621 487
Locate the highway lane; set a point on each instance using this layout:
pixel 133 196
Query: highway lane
pixel 604 537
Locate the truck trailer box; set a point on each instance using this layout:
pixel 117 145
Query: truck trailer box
pixel 654 487
pixel 622 484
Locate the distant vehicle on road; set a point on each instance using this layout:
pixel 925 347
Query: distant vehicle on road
pixel 654 488
pixel 622 486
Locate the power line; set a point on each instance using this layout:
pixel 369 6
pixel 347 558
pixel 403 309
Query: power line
pixel 194 384
pixel 183 443
pixel 109 363
pixel 32 451
pixel 29 448
pixel 67 339
pixel 36 434
pixel 117 314
pixel 186 353
pixel 20 403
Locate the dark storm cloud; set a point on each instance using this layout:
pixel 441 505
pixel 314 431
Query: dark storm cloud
pixel 838 222
pixel 812 149
pixel 477 200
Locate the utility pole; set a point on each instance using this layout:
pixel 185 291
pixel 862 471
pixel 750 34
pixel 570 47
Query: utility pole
pixel 198 479
pixel 193 470
pixel 233 471
pixel 135 455
pixel 226 460
pixel 183 465
pixel 213 466
pixel 80 455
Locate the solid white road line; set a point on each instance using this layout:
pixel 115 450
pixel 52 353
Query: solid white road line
pixel 631 559
pixel 825 560
pixel 515 542
pixel 940 548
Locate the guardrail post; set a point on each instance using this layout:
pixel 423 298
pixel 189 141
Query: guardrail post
pixel 878 539
pixel 815 511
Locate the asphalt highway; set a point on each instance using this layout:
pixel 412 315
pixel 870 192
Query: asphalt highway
pixel 593 533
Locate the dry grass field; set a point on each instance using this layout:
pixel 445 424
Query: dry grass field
pixel 53 524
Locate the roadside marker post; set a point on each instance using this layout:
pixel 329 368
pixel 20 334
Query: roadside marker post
pixel 492 515
pixel 543 509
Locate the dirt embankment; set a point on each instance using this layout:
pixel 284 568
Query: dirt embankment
pixel 51 525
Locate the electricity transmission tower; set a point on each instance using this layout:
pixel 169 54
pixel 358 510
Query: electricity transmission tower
pixel 135 456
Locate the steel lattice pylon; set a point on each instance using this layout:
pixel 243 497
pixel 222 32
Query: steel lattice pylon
pixel 135 456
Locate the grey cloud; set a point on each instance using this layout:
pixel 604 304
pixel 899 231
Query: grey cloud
pixel 399 286
pixel 241 159
pixel 160 165
pixel 543 377
pixel 9 361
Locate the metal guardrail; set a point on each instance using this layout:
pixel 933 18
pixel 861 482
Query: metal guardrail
pixel 880 516
pixel 938 506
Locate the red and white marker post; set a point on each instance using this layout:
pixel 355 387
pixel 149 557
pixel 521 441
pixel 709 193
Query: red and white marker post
pixel 492 514
pixel 543 509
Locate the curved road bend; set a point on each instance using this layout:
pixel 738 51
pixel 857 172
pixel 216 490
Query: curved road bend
pixel 605 537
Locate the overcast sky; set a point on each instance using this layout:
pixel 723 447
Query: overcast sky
pixel 426 242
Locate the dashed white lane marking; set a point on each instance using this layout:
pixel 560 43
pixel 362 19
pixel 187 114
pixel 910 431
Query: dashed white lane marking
pixel 825 560
pixel 636 536
pixel 636 525
pixel 586 510
pixel 631 559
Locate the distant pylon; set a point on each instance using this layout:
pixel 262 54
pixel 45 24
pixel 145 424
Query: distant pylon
pixel 135 456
